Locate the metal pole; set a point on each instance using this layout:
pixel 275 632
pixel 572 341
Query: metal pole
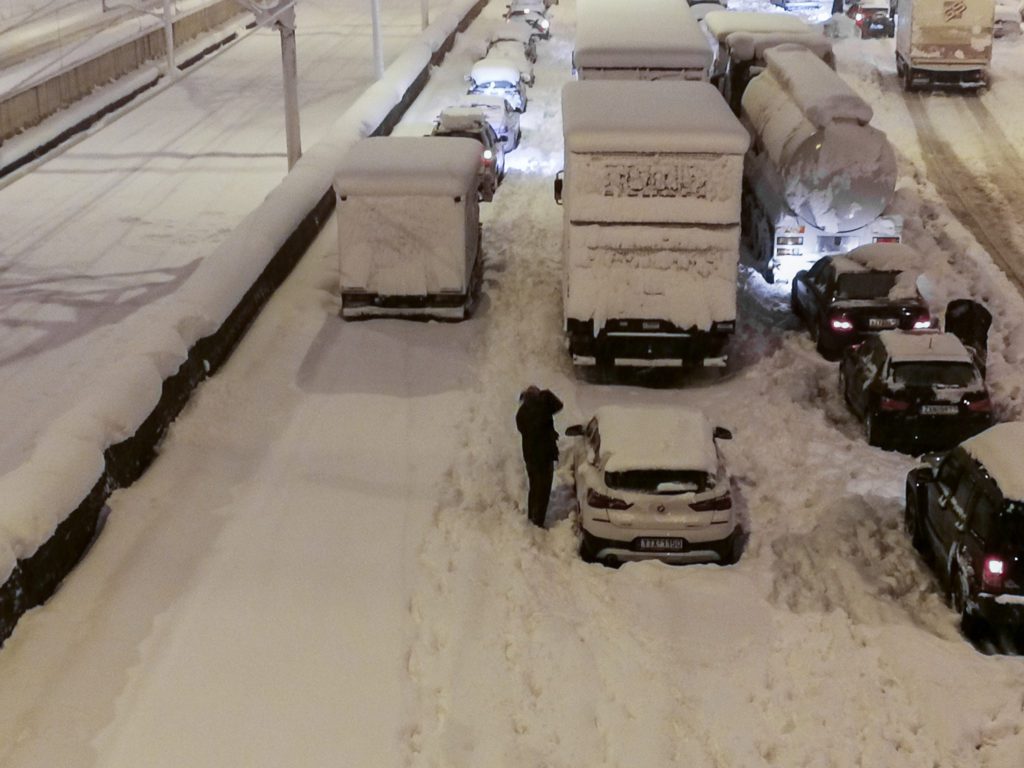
pixel 290 68
pixel 425 12
pixel 378 49
pixel 169 35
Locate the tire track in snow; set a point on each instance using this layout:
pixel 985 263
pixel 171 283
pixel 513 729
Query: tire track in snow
pixel 969 198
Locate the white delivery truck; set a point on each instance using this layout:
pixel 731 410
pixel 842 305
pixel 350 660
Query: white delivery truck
pixel 645 40
pixel 819 177
pixel 944 42
pixel 651 198
pixel 409 227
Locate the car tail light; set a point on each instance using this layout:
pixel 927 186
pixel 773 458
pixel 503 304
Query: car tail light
pixel 984 405
pixel 716 504
pixel 992 576
pixel 488 156
pixel 892 404
pixel 923 323
pixel 885 239
pixel 600 501
pixel 841 323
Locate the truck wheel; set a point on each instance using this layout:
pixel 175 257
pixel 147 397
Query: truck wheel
pixel 908 78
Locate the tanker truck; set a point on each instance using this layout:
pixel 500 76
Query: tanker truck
pixel 818 178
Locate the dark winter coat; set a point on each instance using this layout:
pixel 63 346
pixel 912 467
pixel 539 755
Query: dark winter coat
pixel 535 422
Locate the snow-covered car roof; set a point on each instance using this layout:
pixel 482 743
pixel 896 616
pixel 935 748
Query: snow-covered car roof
pixel 924 346
pixel 667 437
pixel 877 257
pixel 495 69
pixel 461 118
pixel 722 23
pixel 660 116
pixel 1000 449
pixel 750 46
pixel 394 166
pixel 533 5
pixel 821 97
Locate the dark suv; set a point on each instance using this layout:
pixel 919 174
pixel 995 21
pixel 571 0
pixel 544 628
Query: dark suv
pixel 965 515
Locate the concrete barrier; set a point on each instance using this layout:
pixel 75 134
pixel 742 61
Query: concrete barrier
pixel 34 579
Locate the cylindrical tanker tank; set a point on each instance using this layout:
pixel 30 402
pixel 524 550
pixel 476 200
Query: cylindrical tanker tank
pixel 814 145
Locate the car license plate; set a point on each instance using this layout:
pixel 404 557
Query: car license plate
pixel 660 544
pixel 883 322
pixel 651 325
pixel 939 410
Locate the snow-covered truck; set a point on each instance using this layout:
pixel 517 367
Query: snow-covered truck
pixel 651 206
pixel 819 177
pixel 652 40
pixel 409 227
pixel 944 42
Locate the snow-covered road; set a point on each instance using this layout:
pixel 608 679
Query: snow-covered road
pixel 330 562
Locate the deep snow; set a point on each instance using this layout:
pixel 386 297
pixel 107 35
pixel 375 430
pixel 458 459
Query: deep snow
pixel 330 562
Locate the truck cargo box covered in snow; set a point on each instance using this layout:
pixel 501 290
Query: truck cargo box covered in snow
pixel 651 196
pixel 944 42
pixel 642 40
pixel 408 226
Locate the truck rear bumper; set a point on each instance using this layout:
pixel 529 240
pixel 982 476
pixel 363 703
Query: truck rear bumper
pixel 626 344
pixel 442 306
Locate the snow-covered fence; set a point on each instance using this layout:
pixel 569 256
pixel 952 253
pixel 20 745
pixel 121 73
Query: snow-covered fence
pixel 53 502
pixel 42 92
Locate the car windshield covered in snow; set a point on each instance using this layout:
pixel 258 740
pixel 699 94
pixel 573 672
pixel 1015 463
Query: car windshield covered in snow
pixel 662 481
pixel 938 373
pixel 865 285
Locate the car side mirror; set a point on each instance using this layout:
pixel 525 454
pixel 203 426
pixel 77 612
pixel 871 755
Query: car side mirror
pixel 721 433
pixel 559 183
pixel 576 430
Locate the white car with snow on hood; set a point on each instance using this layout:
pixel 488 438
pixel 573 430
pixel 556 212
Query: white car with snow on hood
pixel 513 50
pixel 494 76
pixel 651 485
pixel 409 227
pixel 534 16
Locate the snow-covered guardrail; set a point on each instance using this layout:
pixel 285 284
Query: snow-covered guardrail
pixel 52 503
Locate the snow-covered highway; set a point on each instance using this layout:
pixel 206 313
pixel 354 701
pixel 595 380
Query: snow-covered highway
pixel 330 562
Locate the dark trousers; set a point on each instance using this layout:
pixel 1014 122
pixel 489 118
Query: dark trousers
pixel 540 475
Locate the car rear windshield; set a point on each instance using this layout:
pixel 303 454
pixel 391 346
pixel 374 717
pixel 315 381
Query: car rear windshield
pixel 1012 524
pixel 659 481
pixel 865 285
pixel 934 374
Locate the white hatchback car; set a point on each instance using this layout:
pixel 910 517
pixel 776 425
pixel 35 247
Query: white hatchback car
pixel 651 484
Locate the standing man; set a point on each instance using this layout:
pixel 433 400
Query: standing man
pixel 535 422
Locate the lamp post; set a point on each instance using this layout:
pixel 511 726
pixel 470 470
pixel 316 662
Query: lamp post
pixel 281 14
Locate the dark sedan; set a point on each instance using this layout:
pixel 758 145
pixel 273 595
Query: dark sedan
pixel 915 391
pixel 845 299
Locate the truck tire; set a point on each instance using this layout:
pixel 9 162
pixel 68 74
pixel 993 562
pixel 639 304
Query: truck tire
pixel 908 78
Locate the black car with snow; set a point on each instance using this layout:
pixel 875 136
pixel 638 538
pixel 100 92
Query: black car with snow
pixel 965 515
pixel 651 484
pixel 915 390
pixel 845 299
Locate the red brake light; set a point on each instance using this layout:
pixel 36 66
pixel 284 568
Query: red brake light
pixel 886 239
pixel 980 406
pixel 923 322
pixel 600 501
pixel 841 323
pixel 992 576
pixel 891 404
pixel 716 504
